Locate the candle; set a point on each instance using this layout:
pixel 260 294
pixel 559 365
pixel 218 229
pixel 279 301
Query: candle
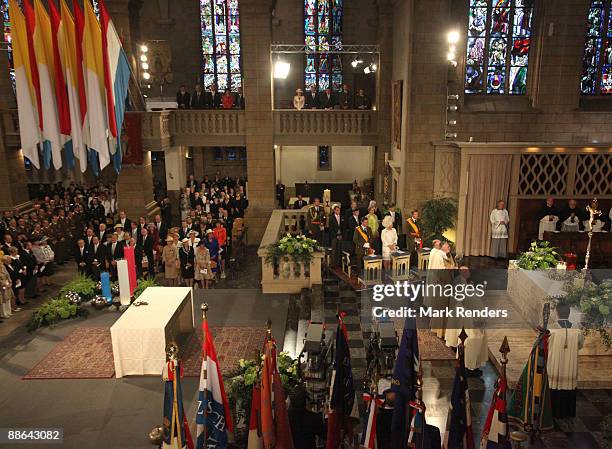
pixel 106 286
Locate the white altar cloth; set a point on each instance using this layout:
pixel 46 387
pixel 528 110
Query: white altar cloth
pixel 140 336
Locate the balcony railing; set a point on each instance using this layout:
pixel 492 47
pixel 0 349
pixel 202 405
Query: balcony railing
pixel 284 275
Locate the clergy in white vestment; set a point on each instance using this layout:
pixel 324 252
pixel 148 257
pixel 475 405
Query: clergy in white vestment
pixel 438 274
pixel 549 216
pixel 476 346
pixel 499 231
pixel 562 368
pixel 598 225
pixel 570 224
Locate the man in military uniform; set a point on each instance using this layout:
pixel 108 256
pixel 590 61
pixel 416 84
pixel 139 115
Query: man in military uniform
pixel 414 237
pixel 316 220
pixel 361 239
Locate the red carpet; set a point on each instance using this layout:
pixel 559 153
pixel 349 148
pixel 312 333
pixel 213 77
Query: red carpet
pixel 86 353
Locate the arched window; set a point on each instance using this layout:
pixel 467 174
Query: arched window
pixel 498 41
pixel 221 60
pixel 322 32
pixel 597 62
pixel 6 37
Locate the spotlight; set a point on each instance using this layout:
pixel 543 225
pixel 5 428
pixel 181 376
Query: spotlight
pixel 452 122
pixel 451 135
pixel 145 66
pixel 146 75
pixel 143 58
pixel 453 107
pixel 144 48
pixel 450 56
pixel 453 37
pixel 281 69
pixel 366 70
pixel 355 62
pixel 373 67
pixel 453 97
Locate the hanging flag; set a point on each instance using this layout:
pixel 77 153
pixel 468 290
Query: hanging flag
pixel 529 403
pixel 68 44
pixel 25 91
pixel 418 434
pixel 255 440
pixel 43 49
pixel 61 92
pixel 275 428
pixel 405 372
pixel 79 34
pixel 495 434
pixel 214 427
pixel 175 428
pixel 97 117
pixel 116 79
pixel 458 433
pixel 343 408
pixel 373 402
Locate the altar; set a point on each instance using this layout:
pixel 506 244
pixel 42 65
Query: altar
pixel 140 336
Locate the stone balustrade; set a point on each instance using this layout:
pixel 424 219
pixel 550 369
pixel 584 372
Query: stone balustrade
pixel 286 276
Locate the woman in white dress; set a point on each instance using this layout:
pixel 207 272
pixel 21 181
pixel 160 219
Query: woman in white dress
pixel 388 237
pixel 299 100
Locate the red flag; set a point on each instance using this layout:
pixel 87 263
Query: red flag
pixel 128 254
pixel 61 94
pixel 255 441
pixel 28 11
pixel 79 20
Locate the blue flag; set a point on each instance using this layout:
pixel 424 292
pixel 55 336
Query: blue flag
pixel 404 383
pixel 176 432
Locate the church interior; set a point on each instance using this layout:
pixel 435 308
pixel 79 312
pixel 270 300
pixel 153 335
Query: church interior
pixel 214 214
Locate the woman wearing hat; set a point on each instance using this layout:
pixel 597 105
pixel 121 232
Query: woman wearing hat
pixel 389 240
pixel 7 299
pixel 171 262
pixel 203 269
pixel 299 99
pixel 186 256
pixel 213 248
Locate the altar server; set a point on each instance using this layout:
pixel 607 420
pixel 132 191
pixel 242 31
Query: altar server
pixel 499 231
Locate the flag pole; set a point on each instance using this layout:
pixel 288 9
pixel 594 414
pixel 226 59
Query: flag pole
pixel 204 308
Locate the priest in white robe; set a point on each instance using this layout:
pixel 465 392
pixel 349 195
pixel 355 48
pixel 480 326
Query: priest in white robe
pixel 499 231
pixel 438 274
pixel 562 368
pixel 549 216
pixel 571 224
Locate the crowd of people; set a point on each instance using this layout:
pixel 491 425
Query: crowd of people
pixel 88 225
pixel 210 99
pixel 328 99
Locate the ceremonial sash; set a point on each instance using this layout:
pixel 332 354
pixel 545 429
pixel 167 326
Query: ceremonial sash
pixel 313 214
pixel 363 234
pixel 414 226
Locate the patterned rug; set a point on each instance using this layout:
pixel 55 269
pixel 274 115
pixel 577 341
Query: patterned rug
pixel 231 343
pixel 86 353
pixel 432 348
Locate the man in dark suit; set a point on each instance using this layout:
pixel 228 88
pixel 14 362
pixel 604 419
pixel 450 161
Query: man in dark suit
pixel 162 228
pixel 184 230
pixel 316 219
pixel 362 237
pixel 336 225
pixel 327 100
pixel 351 222
pixel 312 98
pixel 280 194
pixel 166 211
pixel 99 257
pixel 346 98
pixel 183 98
pixel 124 221
pixel 396 216
pixel 198 99
pixel 240 103
pixel 89 235
pixel 300 202
pixel 146 243
pixel 362 101
pixel 82 257
pixel 213 97
pixel 102 232
pixel 114 252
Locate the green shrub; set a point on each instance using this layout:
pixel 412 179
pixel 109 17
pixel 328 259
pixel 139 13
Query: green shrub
pixel 539 257
pixel 83 285
pixel 53 311
pixel 142 285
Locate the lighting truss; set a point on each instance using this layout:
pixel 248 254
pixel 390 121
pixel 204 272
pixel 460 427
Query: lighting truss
pixel 346 49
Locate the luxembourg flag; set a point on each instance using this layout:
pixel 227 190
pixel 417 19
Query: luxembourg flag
pixel 214 426
pixel 24 86
pixel 116 79
pixel 97 117
pixel 43 48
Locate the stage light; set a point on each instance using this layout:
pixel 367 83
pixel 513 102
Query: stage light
pixel 451 135
pixel 146 75
pixel 373 67
pixel 366 70
pixel 453 107
pixel 450 56
pixel 144 48
pixel 145 66
pixel 143 58
pixel 356 62
pixel 452 122
pixel 453 37
pixel 453 97
pixel 281 69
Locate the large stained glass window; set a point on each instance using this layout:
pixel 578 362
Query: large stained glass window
pixel 221 60
pixel 323 32
pixel 6 37
pixel 498 40
pixel 597 62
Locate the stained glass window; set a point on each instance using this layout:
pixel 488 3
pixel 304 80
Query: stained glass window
pixel 6 37
pixel 323 32
pixel 221 60
pixel 498 41
pixel 596 76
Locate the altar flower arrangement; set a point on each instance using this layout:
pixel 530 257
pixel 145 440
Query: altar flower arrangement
pixel 53 311
pixel 298 248
pixel 539 257
pixel 83 285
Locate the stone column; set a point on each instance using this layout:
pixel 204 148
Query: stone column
pixel 197 153
pixel 256 39
pixel 176 177
pixel 135 189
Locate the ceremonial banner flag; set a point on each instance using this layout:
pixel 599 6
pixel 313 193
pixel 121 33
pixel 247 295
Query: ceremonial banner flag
pixel 61 93
pixel 97 117
pixel 458 433
pixel 116 80
pixel 275 427
pixel 417 432
pixel 495 434
pixel 45 59
pixel 214 427
pixel 529 403
pixel 405 371
pixel 343 409
pixel 255 440
pixel 73 70
pixel 175 427
pixel 25 90
pixel 368 437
